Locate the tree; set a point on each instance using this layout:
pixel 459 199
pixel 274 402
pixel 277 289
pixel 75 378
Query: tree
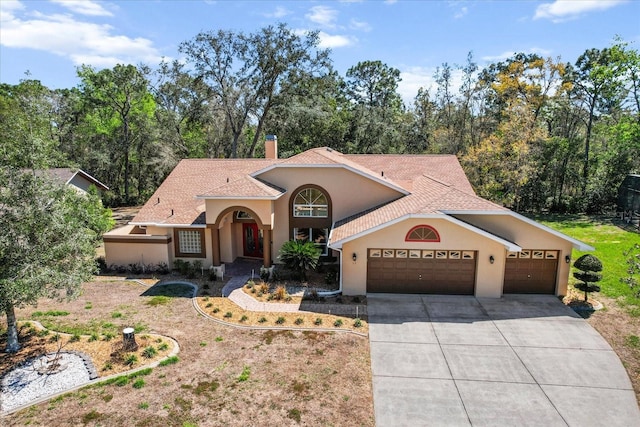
pixel 120 107
pixel 633 263
pixel 597 84
pixel 46 249
pixel 250 74
pixel 376 107
pixel 589 274
pixel 300 256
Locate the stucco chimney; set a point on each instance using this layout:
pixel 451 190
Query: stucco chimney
pixel 271 147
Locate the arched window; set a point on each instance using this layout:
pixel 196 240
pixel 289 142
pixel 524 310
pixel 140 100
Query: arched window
pixel 422 233
pixel 310 203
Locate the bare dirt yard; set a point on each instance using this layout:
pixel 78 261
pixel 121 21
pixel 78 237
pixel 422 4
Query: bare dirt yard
pixel 223 376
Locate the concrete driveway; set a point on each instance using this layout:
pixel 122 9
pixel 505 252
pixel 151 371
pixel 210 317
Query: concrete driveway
pixel 516 361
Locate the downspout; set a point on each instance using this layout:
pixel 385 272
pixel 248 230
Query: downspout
pixel 339 291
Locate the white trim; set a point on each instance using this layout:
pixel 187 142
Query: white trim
pixel 577 244
pixel 507 244
pixel 88 178
pixel 333 166
pixel 205 197
pixel 155 224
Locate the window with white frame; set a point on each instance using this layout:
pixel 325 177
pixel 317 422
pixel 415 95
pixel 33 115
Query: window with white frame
pixel 319 236
pixel 310 203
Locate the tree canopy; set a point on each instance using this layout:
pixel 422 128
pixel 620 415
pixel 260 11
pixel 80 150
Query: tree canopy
pixel 532 133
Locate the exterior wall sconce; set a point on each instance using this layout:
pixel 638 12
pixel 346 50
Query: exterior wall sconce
pixel 567 259
pixel 354 257
pixel 491 259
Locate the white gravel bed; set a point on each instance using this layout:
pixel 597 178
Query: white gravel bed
pixel 25 384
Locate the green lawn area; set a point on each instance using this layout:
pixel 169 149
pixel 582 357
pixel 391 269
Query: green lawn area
pixel 610 241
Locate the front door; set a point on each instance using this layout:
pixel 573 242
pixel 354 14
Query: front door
pixel 252 240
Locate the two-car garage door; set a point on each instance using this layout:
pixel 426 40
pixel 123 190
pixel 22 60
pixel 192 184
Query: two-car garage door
pixel 454 272
pixel 421 271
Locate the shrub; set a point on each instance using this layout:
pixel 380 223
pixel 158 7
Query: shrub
pixel 590 267
pixel 163 346
pixel 318 321
pixel 299 256
pixel 116 315
pixel 142 405
pixel 264 273
pixel 357 323
pixel 74 338
pixel 244 376
pixel 108 336
pixel 107 366
pixel 262 319
pixel 162 268
pixel 280 320
pixel 94 337
pixel 280 293
pixel 299 321
pixel 244 318
pixel 139 383
pixel 215 310
pixel 149 352
pixel 337 323
pixel 263 287
pixel 130 359
pixel 121 381
pixel 219 339
pixel 633 270
pixel 169 361
pixel 295 415
pixel 228 315
pixel 197 266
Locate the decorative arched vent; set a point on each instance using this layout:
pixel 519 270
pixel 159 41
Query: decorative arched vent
pixel 422 233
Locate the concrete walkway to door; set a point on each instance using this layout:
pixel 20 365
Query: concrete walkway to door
pixel 515 361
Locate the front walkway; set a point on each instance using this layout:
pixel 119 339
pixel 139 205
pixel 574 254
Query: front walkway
pixel 241 271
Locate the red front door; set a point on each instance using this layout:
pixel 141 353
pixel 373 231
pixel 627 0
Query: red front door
pixel 252 240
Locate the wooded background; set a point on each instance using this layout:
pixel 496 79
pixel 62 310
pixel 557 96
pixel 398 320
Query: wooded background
pixel 532 133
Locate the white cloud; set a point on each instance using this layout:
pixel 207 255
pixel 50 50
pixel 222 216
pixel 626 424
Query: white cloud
pixel 333 41
pixel 508 54
pixel 461 12
pixel 280 12
pixel 360 25
pixel 78 40
pixel 563 10
pixel 84 7
pixel 323 15
pixel 414 78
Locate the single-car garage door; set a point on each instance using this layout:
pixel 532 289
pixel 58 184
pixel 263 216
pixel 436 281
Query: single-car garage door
pixel 421 271
pixel 531 272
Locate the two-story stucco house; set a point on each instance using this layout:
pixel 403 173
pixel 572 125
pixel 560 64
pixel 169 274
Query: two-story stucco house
pixel 394 223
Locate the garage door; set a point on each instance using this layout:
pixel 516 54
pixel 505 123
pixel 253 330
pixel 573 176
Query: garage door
pixel 421 271
pixel 531 272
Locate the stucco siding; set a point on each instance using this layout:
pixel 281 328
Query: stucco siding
pixel 527 236
pixel 350 193
pixel 489 277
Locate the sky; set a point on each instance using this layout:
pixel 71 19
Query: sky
pixel 48 39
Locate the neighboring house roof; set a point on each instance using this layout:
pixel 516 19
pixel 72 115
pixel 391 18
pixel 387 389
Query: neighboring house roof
pixel 66 175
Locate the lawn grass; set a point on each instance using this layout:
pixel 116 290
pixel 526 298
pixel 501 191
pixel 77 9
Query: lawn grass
pixel 611 240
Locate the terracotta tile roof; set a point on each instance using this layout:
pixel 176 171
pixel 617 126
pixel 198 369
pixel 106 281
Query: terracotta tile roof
pixel 430 196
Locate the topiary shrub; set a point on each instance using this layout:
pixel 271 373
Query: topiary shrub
pixel 589 274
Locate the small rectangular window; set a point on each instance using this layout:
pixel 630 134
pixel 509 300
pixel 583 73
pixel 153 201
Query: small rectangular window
pixel 190 243
pixel 375 253
pixel 414 254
